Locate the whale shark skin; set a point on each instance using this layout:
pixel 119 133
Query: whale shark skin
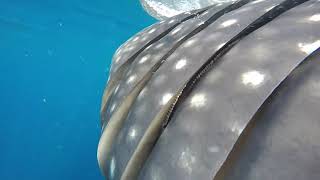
pixel 228 92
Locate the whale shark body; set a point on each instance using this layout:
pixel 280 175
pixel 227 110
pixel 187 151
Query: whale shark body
pixel 230 91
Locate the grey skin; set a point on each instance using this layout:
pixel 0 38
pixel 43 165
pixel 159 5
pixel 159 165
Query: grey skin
pixel 252 114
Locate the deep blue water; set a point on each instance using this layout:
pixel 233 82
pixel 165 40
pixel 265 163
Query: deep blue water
pixel 54 59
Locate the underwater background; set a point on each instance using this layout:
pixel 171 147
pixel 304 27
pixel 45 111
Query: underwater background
pixel 54 61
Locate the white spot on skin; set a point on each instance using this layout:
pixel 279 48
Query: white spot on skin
pixel 200 23
pixel 112 107
pixel 176 30
pixel 236 128
pixel 165 98
pixel 144 38
pixel 130 48
pixel 117 88
pixel 213 149
pixel 205 13
pixel 44 100
pixel 135 39
pixel 181 63
pixel 158 46
pixel 198 100
pixel 112 167
pixel 144 59
pixel 186 160
pixel 220 46
pixel 152 30
pixel 189 43
pixel 148 47
pixel 315 18
pixel 117 59
pixel 257 1
pixel 143 92
pixel 131 79
pixel 132 133
pixel 172 21
pixel 252 78
pixel 228 22
pixel 268 9
pixel 308 48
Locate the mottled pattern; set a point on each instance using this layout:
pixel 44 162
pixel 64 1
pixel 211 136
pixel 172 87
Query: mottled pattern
pixel 208 123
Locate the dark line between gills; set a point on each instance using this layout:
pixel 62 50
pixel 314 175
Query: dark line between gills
pixel 232 156
pixel 162 119
pixel 123 68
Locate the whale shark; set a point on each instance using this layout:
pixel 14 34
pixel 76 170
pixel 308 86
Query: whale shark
pixel 229 91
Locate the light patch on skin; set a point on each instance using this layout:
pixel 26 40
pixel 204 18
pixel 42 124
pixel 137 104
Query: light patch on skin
pixel 142 93
pixel 130 48
pixel 252 78
pixel 144 38
pixel 117 88
pixel 200 23
pixel 198 100
pixel 308 48
pixel 205 13
pixel 160 79
pixel 158 46
pixel 257 1
pixel 315 18
pixel 269 8
pixel 112 167
pixel 156 173
pixel 135 39
pixel 144 59
pixel 131 79
pixel 189 43
pixel 165 98
pixel 186 160
pixel 172 21
pixel 181 63
pixel 118 59
pixel 133 133
pixel 176 30
pixel 220 46
pixel 213 149
pixel 236 128
pixel 112 107
pixel 228 22
pixel 152 30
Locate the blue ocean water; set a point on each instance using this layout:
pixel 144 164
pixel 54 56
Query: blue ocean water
pixel 54 59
